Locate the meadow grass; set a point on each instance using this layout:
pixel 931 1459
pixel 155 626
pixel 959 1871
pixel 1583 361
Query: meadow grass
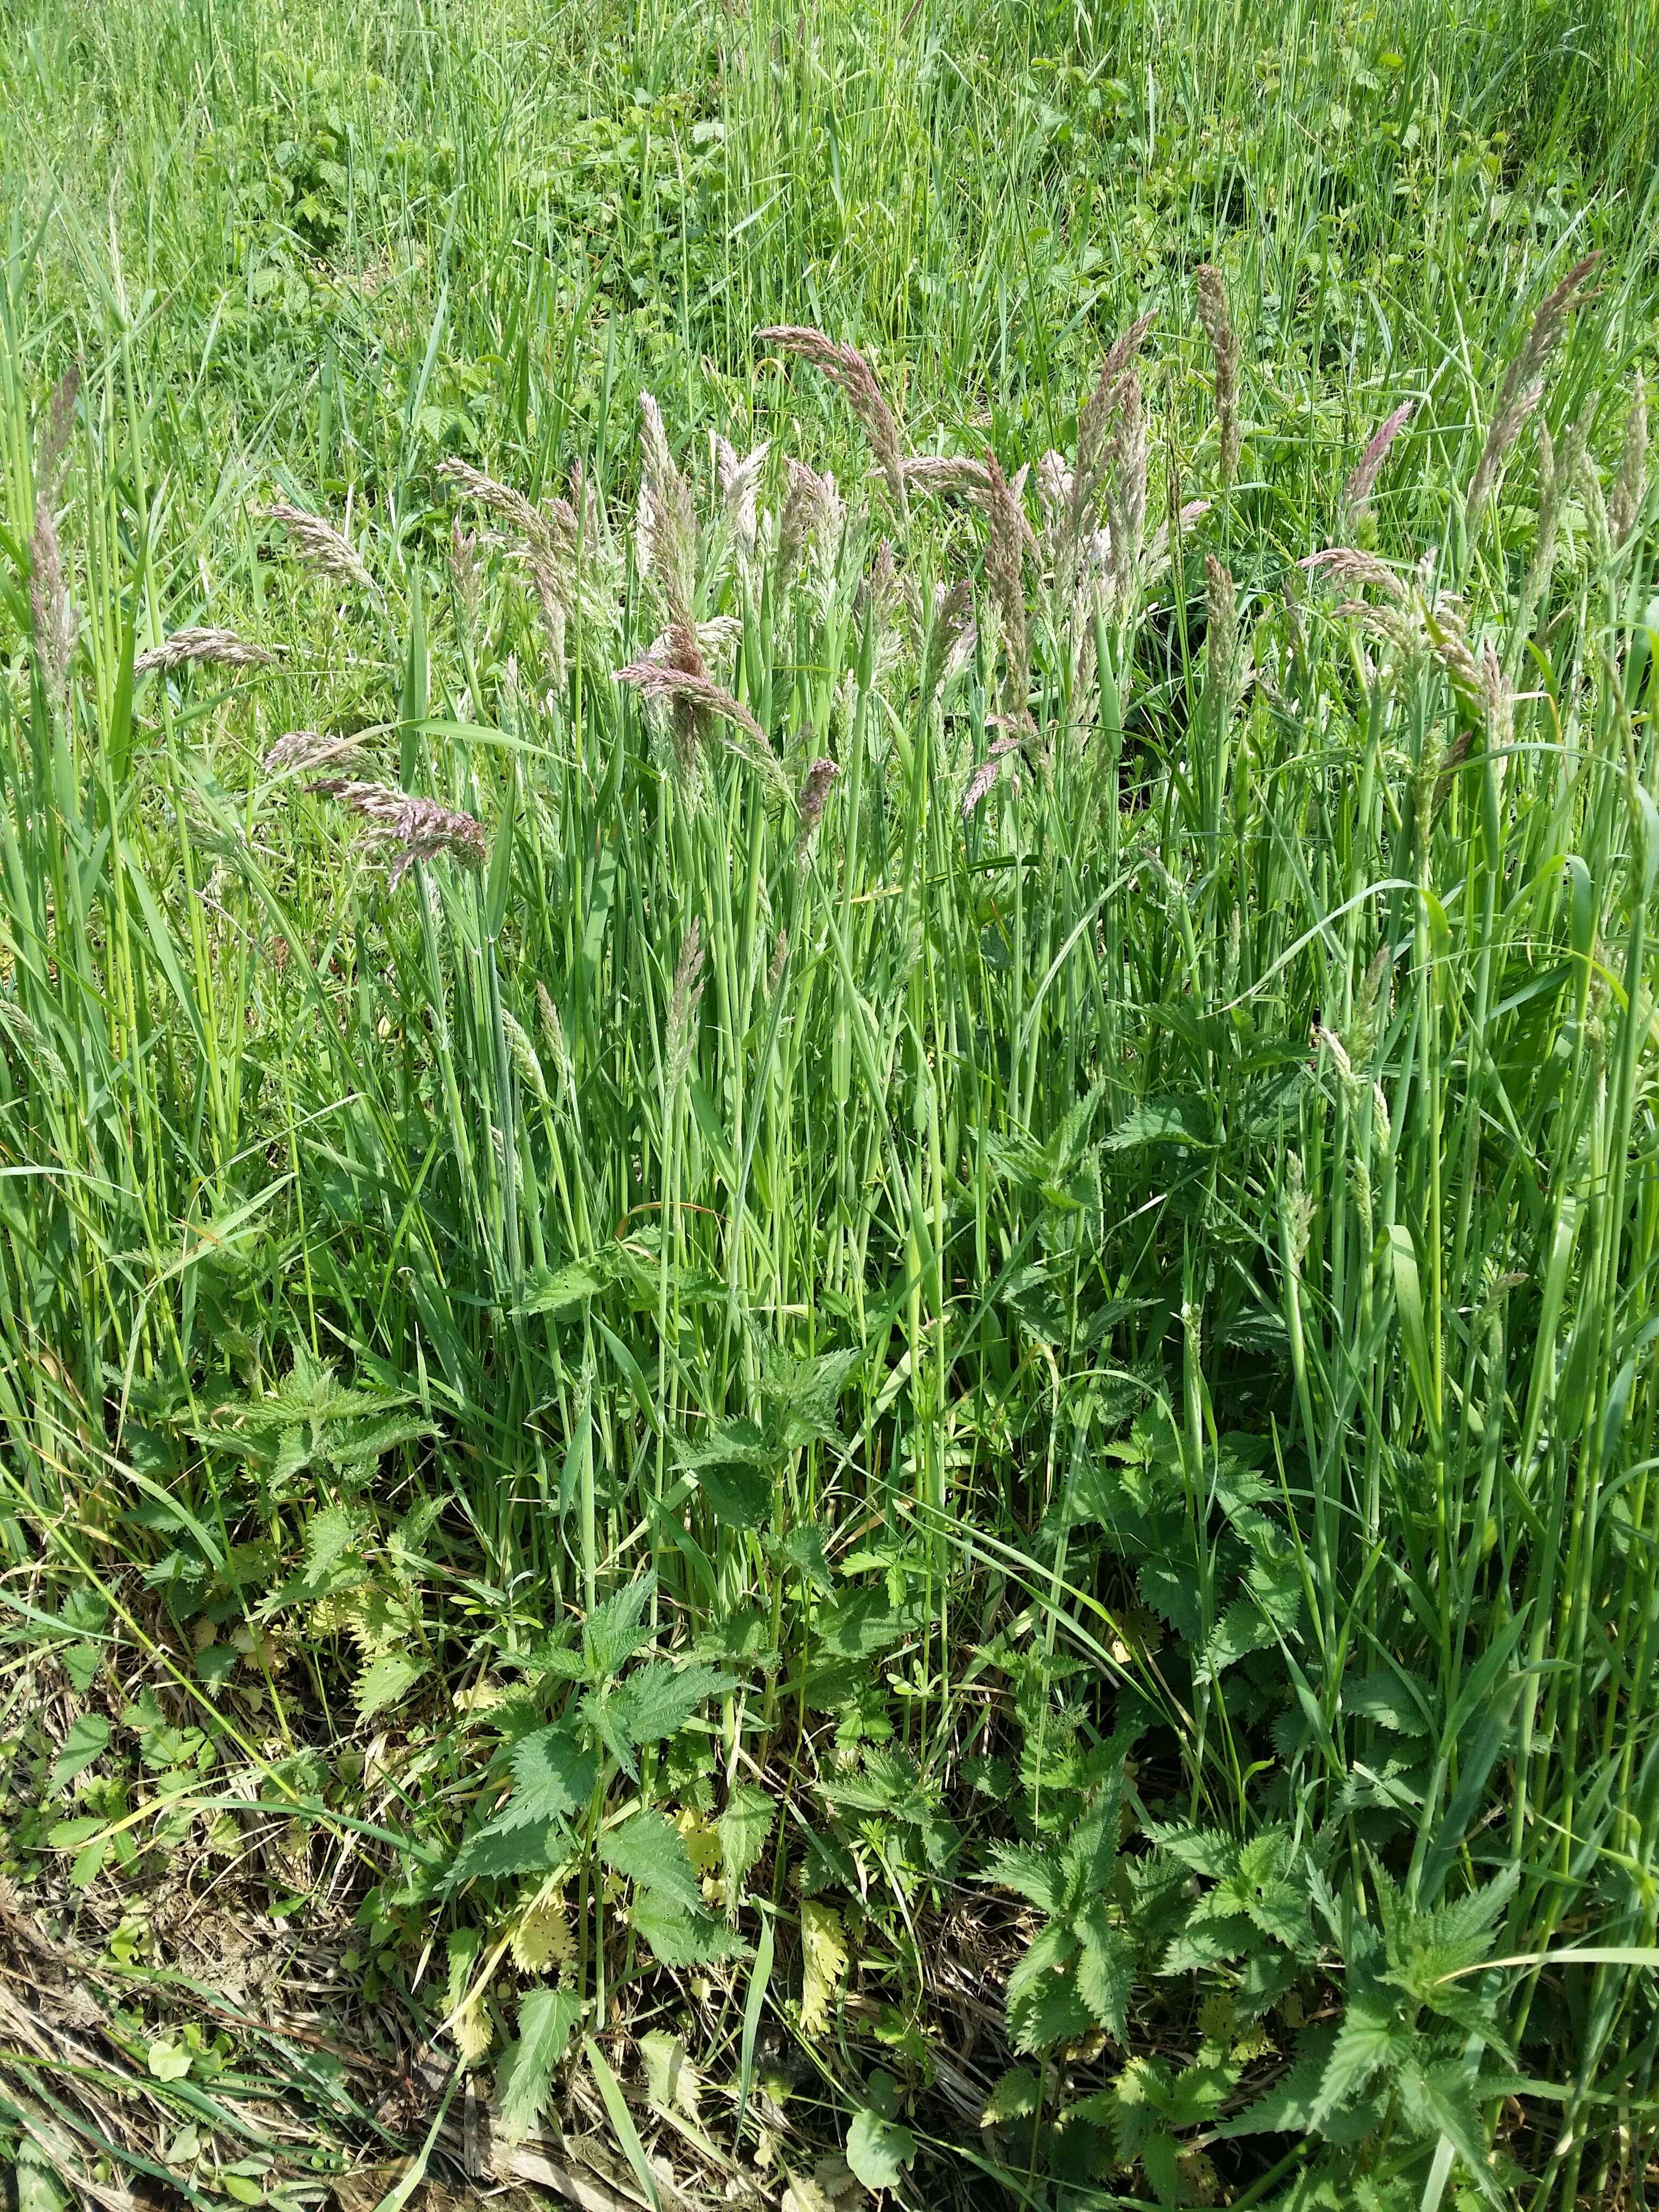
pixel 828 1197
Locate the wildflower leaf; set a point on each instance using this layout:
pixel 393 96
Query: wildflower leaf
pixel 878 2149
pixel 83 1743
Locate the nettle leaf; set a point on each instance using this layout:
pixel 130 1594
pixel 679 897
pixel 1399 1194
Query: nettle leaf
pixel 391 1677
pixel 332 1534
pixel 1439 2099
pixel 650 1850
pixel 671 2081
pixel 1288 2107
pixel 553 1777
pixel 823 1961
pixel 496 1851
pixel 1204 1850
pixel 744 1828
pixel 1105 1970
pixel 1210 1944
pixel 1051 2011
pixel 1049 1949
pixel 1383 1698
pixel 615 1631
pixel 1375 2037
pixel 547 2021
pixel 658 1700
pixel 862 1624
pixel 1036 1876
pixel 1014 2097
pixel 680 1937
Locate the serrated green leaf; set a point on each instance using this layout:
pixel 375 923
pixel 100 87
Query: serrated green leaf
pixel 1035 1875
pixel 1105 1971
pixel 615 1631
pixel 1374 2038
pixel 494 1852
pixel 391 1677
pixel 547 2021
pixel 1014 2097
pixel 651 1852
pixel 88 1737
pixel 553 1779
pixel 658 1700
pixel 1050 2012
pixel 680 1935
pixel 744 1829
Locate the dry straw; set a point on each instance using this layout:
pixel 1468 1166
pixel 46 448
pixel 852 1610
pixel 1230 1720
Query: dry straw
pixel 848 369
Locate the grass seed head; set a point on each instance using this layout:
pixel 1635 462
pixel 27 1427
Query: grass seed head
pixel 302 749
pixel 318 544
pixel 1212 312
pixel 682 1003
pixel 419 829
pixel 1523 383
pixel 221 647
pixel 1356 492
pixel 853 376
pixel 1630 485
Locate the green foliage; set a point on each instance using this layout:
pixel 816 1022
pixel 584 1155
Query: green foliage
pixel 708 1378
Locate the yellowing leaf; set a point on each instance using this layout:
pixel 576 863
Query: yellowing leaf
pixel 672 2078
pixel 823 1952
pixel 543 1937
pixel 472 2034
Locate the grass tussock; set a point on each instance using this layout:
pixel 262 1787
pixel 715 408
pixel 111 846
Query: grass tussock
pixel 828 1197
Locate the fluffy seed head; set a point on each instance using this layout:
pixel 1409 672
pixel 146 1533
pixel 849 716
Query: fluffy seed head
pixel 1356 492
pixel 986 773
pixel 318 543
pixel 308 749
pixel 221 647
pixel 813 794
pixel 852 374
pixel 1223 352
pixel 420 829
pixel 1523 383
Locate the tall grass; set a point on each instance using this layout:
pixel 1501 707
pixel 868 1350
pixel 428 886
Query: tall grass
pixel 1126 1225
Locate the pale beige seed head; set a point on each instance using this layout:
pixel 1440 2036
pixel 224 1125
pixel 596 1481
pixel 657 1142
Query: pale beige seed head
pixel 222 647
pixel 1212 312
pixel 1630 485
pixel 852 374
pixel 318 544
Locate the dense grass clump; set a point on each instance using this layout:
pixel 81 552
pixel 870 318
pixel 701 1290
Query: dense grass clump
pixel 828 1188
